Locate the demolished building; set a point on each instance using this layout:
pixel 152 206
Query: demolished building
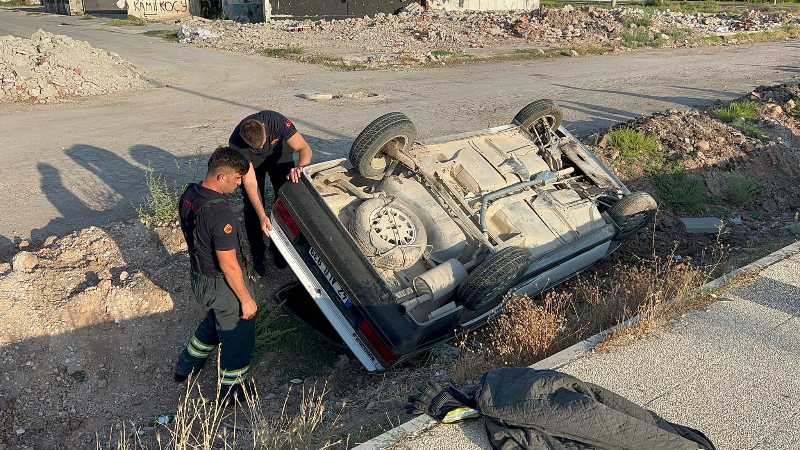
pixel 265 10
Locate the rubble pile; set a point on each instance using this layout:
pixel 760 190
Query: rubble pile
pixel 94 322
pixel 409 36
pixel 48 67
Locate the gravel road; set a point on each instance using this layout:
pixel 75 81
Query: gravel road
pixel 73 165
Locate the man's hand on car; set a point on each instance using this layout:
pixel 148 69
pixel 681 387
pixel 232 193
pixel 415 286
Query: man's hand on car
pixel 295 174
pixel 266 225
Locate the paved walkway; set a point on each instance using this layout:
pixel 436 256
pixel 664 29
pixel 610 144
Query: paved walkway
pixel 729 371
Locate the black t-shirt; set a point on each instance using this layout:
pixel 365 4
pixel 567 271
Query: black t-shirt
pixel 217 228
pixel 278 129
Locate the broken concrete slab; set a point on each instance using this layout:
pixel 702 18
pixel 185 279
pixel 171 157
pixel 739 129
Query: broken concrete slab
pixel 316 96
pixel 702 224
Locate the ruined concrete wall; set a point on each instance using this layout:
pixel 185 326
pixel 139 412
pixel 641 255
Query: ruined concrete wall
pixel 252 11
pixel 483 5
pixel 159 9
pixel 65 7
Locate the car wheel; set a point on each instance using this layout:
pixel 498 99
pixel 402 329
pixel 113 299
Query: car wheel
pixel 632 213
pixel 488 283
pixel 368 153
pixel 540 118
pixel 390 234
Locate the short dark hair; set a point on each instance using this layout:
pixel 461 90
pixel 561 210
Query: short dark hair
pixel 227 159
pixel 253 133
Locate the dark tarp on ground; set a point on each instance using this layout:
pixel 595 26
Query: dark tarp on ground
pixel 528 409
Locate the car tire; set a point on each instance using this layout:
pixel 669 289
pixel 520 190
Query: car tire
pixel 367 152
pixel 540 118
pixel 488 283
pixel 390 234
pixel 632 213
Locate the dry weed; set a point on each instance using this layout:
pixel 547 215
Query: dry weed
pixel 526 330
pixel 658 290
pixel 203 423
pixel 651 290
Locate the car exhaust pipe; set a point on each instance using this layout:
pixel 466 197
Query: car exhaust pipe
pixel 408 305
pixel 435 284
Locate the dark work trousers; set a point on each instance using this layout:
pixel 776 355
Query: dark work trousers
pixel 222 326
pixel 277 172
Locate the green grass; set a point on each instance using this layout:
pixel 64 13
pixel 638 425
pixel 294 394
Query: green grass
pixel 637 38
pixel 87 17
pixel 787 31
pixel 160 205
pixel 677 188
pixel 639 155
pixel 679 34
pixel 131 20
pixel 167 35
pixel 634 146
pixel 638 21
pixel 795 111
pixel 268 330
pixel 442 53
pixel 749 130
pixel 746 110
pixel 297 352
pixel 14 3
pixel 281 52
pixel 741 189
pixel 707 6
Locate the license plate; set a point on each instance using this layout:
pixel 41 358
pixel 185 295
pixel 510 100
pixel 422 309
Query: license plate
pixel 329 276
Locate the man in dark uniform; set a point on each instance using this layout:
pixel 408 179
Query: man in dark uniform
pixel 268 139
pixel 218 278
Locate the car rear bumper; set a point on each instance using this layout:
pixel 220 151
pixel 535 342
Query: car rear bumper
pixel 323 300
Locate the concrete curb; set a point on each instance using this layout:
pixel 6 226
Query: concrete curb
pixel 576 351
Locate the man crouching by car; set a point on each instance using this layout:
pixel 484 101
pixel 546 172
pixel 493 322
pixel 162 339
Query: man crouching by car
pixel 219 282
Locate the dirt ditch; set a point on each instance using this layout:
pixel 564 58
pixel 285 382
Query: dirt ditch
pixel 97 317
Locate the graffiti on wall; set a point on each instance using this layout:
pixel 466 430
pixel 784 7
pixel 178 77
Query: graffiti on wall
pixel 157 7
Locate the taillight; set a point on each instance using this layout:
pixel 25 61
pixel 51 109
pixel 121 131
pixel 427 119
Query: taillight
pixel 287 218
pixel 369 333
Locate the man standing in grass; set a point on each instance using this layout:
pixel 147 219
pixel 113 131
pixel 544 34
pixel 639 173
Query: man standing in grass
pixel 218 278
pixel 261 138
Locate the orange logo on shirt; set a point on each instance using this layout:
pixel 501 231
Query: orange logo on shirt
pixel 228 229
pixel 274 141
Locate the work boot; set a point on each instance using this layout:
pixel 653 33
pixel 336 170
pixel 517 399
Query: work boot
pixel 181 377
pixel 230 395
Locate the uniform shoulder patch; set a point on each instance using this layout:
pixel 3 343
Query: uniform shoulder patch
pixel 288 123
pixel 228 229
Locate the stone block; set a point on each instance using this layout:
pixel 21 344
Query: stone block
pixel 702 225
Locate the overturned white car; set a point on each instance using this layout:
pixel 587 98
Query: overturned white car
pixel 413 242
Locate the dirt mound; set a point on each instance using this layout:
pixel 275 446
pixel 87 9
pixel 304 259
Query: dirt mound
pixel 722 156
pixel 89 333
pixel 434 35
pixel 48 67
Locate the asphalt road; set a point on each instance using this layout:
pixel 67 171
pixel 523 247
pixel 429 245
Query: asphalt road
pixel 66 167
